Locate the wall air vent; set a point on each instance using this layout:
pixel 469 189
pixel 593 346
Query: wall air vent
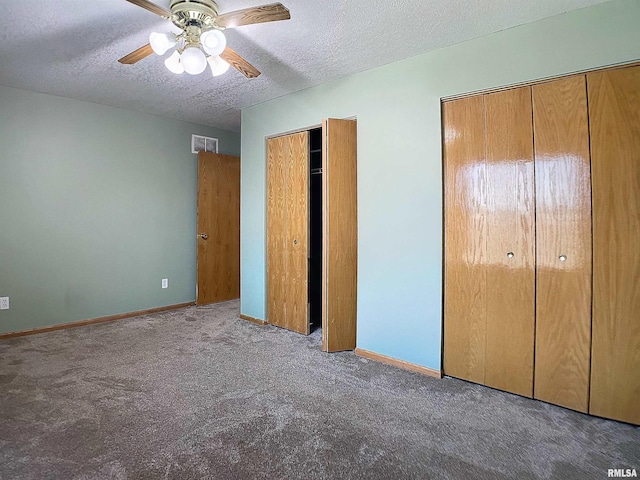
pixel 203 144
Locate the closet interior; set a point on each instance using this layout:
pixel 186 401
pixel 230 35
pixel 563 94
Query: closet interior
pixel 315 228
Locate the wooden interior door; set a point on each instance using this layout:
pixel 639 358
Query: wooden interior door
pixel 218 224
pixel 614 114
pixel 465 252
pixel 340 235
pixel 288 232
pixel 510 241
pixel 563 243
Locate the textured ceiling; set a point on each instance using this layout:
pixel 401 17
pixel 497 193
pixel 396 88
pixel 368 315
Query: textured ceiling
pixel 70 48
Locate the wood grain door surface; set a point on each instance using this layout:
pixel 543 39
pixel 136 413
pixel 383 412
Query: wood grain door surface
pixel 490 240
pixel 297 233
pixel 465 253
pixel 276 214
pixel 510 241
pixel 614 112
pixel 563 243
pixel 288 232
pixel 571 287
pixel 218 219
pixel 340 235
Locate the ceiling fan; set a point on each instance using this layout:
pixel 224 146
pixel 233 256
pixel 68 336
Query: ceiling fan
pixel 201 41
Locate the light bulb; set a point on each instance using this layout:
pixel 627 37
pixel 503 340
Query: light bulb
pixel 173 63
pixel 161 42
pixel 213 42
pixel 218 65
pixel 193 60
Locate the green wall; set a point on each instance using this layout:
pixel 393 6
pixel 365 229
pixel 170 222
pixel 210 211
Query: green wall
pixel 400 161
pixel 97 205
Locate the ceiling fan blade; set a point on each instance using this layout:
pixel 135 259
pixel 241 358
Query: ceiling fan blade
pixel 152 7
pixel 137 55
pixel 248 16
pixel 236 61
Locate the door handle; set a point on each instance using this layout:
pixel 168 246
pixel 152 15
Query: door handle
pixel 203 236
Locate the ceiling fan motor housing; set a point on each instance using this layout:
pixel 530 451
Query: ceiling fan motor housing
pixel 200 13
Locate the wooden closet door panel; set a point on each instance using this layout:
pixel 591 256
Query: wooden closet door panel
pixel 510 229
pixel 563 228
pixel 277 151
pixel 614 114
pixel 340 235
pixel 297 232
pixel 465 252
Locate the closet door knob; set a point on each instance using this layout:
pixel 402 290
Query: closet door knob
pixel 295 242
pixel 510 255
pixel 203 236
pixel 562 258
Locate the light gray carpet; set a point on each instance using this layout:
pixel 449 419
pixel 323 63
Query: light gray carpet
pixel 198 393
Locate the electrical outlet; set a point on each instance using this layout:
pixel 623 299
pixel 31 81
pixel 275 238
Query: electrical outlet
pixel 165 283
pixel 4 303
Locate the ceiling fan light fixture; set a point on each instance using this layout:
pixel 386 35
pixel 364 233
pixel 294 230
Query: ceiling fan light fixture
pixel 213 42
pixel 193 60
pixel 218 65
pixel 161 42
pixel 201 36
pixel 173 63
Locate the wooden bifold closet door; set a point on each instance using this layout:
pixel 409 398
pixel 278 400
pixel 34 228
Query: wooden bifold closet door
pixel 510 242
pixel 563 240
pixel 614 105
pixel 549 173
pixel 518 241
pixel 340 235
pixel 465 255
pixel 288 231
pixel 490 242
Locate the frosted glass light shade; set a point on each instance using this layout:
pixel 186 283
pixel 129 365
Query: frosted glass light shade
pixel 173 63
pixel 193 60
pixel 218 65
pixel 213 42
pixel 161 42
